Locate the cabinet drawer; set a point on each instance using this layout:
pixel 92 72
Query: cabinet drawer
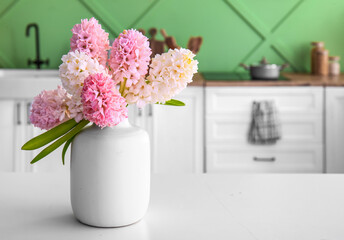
pixel 294 129
pixel 304 100
pixel 267 159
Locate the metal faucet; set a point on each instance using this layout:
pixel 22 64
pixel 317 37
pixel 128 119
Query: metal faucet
pixel 38 62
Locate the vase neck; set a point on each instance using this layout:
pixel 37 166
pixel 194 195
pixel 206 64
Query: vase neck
pixel 124 124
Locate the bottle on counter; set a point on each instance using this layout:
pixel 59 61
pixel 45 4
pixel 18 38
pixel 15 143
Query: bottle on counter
pixel 322 62
pixel 319 59
pixel 334 66
pixel 317 46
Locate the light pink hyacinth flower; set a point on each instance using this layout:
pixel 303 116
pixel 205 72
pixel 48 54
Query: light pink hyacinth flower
pixel 102 102
pixel 89 37
pixel 49 108
pixel 130 56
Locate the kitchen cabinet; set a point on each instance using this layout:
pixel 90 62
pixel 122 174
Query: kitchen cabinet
pixel 334 130
pixel 6 137
pixel 18 90
pixel 228 117
pixel 176 133
pixel 16 129
pixel 210 131
pixel 22 132
pixel 182 125
pixel 139 116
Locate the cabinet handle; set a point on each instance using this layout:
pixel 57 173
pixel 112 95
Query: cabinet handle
pixel 150 110
pixel 18 114
pixel 28 106
pixel 258 159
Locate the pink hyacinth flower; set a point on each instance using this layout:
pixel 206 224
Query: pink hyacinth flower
pixel 89 37
pixel 49 108
pixel 102 102
pixel 130 56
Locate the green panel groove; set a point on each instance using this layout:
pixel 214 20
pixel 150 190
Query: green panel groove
pixel 234 31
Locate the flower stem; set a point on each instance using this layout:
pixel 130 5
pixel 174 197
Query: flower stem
pixel 122 87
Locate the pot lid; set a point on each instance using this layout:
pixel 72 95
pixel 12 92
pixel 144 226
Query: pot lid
pixel 264 63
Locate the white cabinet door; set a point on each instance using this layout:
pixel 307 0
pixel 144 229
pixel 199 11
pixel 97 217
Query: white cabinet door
pixel 16 129
pixel 177 134
pixel 22 133
pixel 15 126
pixel 334 130
pixel 50 163
pixel 139 116
pixel 228 117
pixel 7 122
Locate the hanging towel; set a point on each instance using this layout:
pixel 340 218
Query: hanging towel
pixel 265 127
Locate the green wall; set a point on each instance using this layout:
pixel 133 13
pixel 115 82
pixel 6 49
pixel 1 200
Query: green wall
pixel 234 31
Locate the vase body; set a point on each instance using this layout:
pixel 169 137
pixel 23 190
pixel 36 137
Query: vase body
pixel 110 175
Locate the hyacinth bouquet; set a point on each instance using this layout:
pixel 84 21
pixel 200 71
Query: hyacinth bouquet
pixel 99 81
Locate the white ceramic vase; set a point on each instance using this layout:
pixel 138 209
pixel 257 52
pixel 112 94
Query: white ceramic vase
pixel 110 175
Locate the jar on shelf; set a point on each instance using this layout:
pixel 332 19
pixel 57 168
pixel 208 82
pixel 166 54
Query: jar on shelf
pixel 322 62
pixel 317 46
pixel 334 66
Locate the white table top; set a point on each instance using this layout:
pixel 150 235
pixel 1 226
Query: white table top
pixel 266 207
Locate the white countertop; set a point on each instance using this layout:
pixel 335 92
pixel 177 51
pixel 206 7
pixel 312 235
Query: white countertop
pixel 253 207
pixel 26 83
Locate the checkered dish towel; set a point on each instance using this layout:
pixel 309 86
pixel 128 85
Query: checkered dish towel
pixel 265 127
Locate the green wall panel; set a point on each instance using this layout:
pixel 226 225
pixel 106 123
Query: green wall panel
pixel 234 31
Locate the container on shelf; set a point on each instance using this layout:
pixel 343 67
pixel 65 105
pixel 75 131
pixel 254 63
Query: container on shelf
pixel 317 46
pixel 322 62
pixel 319 59
pixel 334 66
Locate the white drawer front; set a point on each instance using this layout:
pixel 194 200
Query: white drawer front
pixel 261 159
pixel 264 159
pixel 229 100
pixel 294 129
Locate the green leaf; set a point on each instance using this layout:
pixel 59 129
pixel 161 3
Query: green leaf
pixel 174 102
pixel 49 136
pixel 60 141
pixel 65 148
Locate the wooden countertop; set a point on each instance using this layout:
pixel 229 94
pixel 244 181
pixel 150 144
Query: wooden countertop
pixel 197 80
pixel 36 206
pixel 312 80
pixel 294 79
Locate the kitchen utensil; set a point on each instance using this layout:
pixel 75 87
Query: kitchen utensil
pixel 141 30
pixel 169 40
pixel 194 44
pixel 158 47
pixel 264 70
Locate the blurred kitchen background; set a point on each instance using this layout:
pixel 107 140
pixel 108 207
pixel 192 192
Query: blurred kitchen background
pixel 233 31
pixel 302 113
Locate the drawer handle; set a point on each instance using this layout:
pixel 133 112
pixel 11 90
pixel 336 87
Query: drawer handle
pixel 18 114
pixel 272 159
pixel 150 110
pixel 28 106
